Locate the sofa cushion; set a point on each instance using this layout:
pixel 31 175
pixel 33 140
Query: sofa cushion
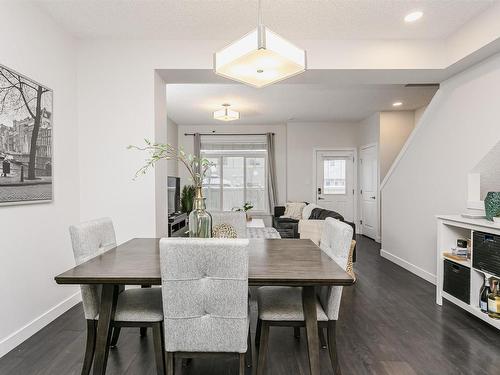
pixel 284 220
pixel 322 214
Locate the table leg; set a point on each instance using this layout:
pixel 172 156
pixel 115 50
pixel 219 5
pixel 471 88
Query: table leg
pixel 107 308
pixel 311 320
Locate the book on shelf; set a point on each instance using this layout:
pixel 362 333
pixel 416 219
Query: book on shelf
pixel 459 251
pixel 461 258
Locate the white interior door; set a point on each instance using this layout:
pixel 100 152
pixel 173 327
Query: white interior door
pixel 368 159
pixel 335 182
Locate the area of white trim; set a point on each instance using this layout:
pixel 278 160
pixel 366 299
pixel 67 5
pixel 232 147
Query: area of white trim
pixel 409 266
pixel 430 108
pixel 14 339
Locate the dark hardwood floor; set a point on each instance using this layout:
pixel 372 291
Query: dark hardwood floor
pixel 389 324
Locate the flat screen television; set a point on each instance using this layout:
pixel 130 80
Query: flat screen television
pixel 174 194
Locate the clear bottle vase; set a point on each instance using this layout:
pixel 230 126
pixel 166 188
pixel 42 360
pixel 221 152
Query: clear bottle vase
pixel 200 220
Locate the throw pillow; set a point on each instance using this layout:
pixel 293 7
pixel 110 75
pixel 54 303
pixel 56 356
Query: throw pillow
pixel 306 212
pixel 293 210
pixel 224 231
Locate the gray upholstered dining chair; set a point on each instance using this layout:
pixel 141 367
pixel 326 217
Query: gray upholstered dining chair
pixel 135 307
pixel 235 219
pixel 282 306
pixel 205 300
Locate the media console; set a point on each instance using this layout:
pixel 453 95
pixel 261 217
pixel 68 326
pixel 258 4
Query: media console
pixel 177 225
pixel 458 281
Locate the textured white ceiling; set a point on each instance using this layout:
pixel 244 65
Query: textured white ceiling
pixel 193 104
pixel 229 19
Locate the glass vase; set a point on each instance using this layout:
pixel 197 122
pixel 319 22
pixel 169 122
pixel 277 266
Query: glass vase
pixel 200 220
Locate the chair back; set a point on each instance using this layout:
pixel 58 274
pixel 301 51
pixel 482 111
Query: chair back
pixel 90 239
pixel 205 294
pixel 336 243
pixel 236 219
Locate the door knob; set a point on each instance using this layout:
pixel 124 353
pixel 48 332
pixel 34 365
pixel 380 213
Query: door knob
pixel 319 198
pixel 372 197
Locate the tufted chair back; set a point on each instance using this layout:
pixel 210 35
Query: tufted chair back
pixel 90 239
pixel 336 243
pixel 237 219
pixel 205 294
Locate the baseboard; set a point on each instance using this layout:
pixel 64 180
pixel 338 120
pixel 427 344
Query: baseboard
pixel 409 266
pixel 14 339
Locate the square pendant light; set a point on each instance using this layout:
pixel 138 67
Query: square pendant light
pixel 260 58
pixel 226 114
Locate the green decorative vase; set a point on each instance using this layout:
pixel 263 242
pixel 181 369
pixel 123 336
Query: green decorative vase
pixel 492 205
pixel 200 220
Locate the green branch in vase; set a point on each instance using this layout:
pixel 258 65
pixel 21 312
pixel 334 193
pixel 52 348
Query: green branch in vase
pixel 164 151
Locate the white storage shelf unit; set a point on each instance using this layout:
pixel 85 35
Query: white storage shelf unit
pixel 449 229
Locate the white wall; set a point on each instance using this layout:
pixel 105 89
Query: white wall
pixel 116 107
pixel 395 128
pixel 489 170
pixel 302 138
pixel 419 112
pixel 431 177
pixel 279 138
pixel 35 243
pixel 369 130
pixel 161 168
pixel 172 139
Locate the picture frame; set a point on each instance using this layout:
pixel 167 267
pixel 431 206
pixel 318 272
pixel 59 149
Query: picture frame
pixel 26 140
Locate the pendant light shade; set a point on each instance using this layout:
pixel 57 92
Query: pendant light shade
pixel 226 114
pixel 260 58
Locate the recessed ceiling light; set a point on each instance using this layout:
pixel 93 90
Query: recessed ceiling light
pixel 397 104
pixel 226 114
pixel 414 16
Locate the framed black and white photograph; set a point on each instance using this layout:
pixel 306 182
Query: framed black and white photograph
pixel 25 139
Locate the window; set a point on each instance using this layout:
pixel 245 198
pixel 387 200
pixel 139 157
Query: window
pixel 237 176
pixel 334 176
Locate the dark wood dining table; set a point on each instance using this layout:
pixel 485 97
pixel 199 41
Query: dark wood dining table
pixel 272 262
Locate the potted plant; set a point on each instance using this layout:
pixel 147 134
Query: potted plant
pixel 187 198
pixel 492 206
pixel 246 207
pixel 200 221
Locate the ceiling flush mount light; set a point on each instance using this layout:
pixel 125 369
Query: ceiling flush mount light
pixel 260 58
pixel 226 114
pixel 414 16
pixel 397 104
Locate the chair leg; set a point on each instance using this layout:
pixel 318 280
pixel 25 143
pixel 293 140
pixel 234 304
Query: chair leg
pixel 322 340
pixel 248 356
pixel 296 332
pixel 257 333
pixel 90 346
pixel 332 346
pixel 114 338
pixel 242 364
pixel 158 347
pixel 264 342
pixel 143 330
pixel 170 363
